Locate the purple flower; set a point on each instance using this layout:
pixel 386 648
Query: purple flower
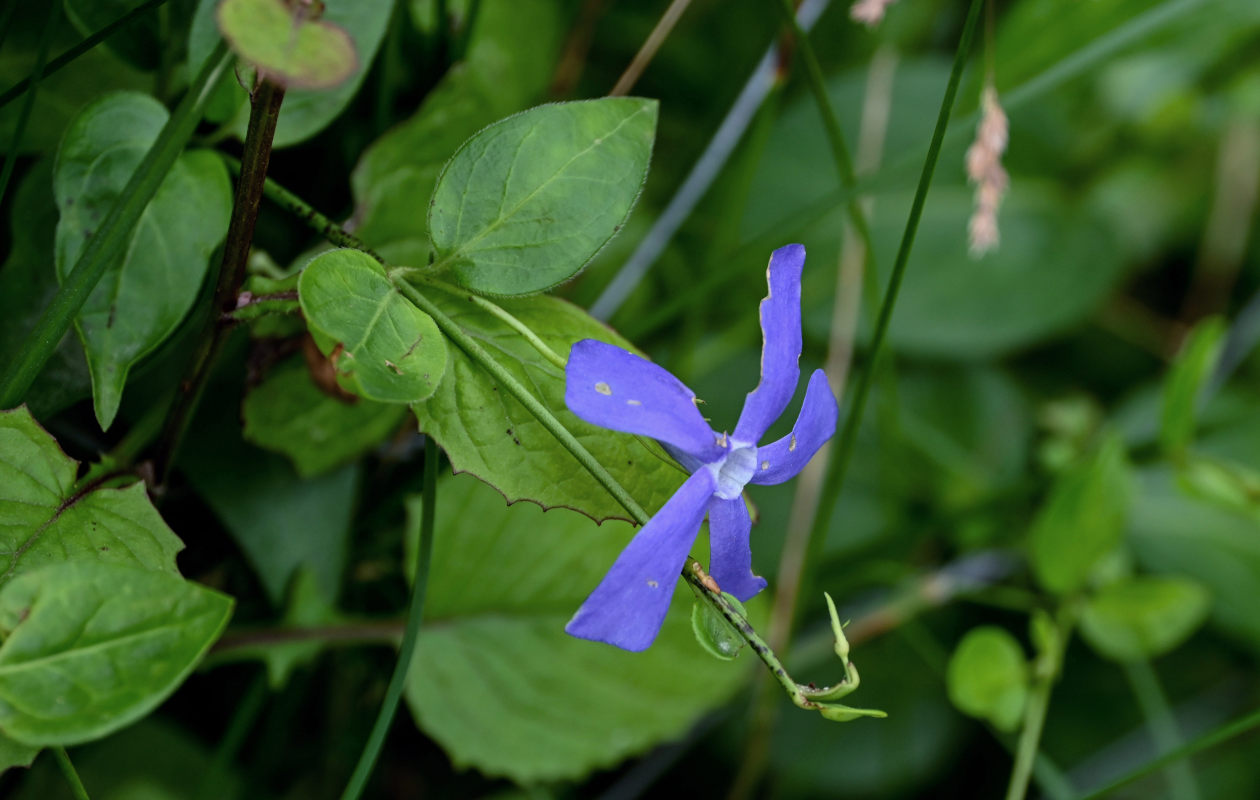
pixel 612 388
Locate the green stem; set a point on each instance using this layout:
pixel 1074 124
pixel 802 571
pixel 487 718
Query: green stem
pixel 72 776
pixel 1029 739
pixel 1045 672
pixel 372 748
pixel 837 468
pixel 1163 726
pixel 15 91
pixel 255 158
pixel 24 116
pixel 493 309
pixel 113 236
pixel 1207 741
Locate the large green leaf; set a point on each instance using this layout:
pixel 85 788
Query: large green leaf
pixel 26 287
pixel 509 62
pixel 305 111
pixel 90 647
pixel 1082 520
pixel 139 301
pixel 288 414
pixel 488 433
pixel 988 677
pixel 496 680
pixel 382 346
pixel 527 202
pixel 43 521
pixel 1141 618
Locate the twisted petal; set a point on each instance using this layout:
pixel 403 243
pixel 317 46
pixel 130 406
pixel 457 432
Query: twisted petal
pixel 730 555
pixel 611 388
pixel 629 605
pixel 778 461
pixel 781 345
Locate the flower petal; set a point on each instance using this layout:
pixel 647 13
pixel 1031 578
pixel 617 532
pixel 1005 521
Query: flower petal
pixel 629 605
pixel 730 554
pixel 611 388
pixel 778 461
pixel 781 345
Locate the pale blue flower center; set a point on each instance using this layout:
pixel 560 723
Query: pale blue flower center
pixel 733 471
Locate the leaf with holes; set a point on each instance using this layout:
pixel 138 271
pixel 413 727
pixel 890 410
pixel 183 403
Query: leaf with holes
pixel 496 680
pixel 485 431
pixel 142 299
pixel 526 203
pixel 90 647
pixel 382 346
pixel 43 521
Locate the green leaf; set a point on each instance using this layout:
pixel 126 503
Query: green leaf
pixel 509 63
pixel 91 647
pixel 14 754
pixel 713 632
pixel 139 42
pixel 382 346
pixel 26 287
pixel 287 43
pixel 288 414
pixel 141 300
pixel 526 203
pixel 43 521
pixel 498 683
pixel 1185 382
pixel 306 111
pixel 1143 618
pixel 988 677
pixel 489 434
pixel 1082 520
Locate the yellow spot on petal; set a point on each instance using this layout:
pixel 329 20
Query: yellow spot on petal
pixel 633 403
pixel 765 465
pixel 603 388
pixel 653 584
pixel 792 444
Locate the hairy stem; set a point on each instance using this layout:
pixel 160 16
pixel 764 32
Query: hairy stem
pixel 113 236
pixel 372 748
pixel 650 45
pixel 1045 673
pixel 256 156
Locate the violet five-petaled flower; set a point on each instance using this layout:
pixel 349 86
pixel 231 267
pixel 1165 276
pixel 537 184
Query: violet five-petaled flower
pixel 612 388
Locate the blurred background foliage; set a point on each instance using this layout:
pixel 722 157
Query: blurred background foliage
pixel 1048 440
